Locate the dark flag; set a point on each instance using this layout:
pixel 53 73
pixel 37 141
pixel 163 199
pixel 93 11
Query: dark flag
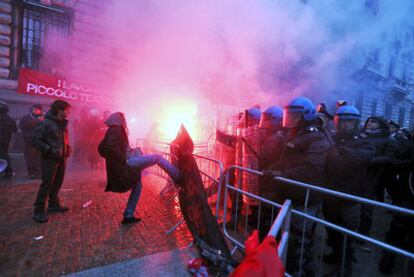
pixel 194 206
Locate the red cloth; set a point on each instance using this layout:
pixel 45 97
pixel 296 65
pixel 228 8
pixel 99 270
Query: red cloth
pixel 261 260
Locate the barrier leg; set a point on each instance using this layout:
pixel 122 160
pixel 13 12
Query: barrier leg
pixel 175 227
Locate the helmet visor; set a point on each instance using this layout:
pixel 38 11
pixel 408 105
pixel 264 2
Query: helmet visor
pixel 346 125
pixel 291 119
pixel 265 121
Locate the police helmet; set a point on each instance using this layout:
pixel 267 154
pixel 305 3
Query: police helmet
pixel 250 117
pixel 271 118
pixel 348 114
pixel 298 106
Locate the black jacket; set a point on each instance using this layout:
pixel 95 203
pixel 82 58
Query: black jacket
pixel 7 128
pixel 27 124
pixel 113 147
pixel 51 138
pixel 303 159
pixel 270 147
pixel 347 163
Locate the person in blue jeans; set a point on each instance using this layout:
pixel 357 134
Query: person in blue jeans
pixel 124 165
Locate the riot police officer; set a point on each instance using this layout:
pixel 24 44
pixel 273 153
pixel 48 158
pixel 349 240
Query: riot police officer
pixel 401 191
pixel 346 167
pixel 270 127
pixel 247 124
pixel 376 130
pixel 271 141
pixel 302 158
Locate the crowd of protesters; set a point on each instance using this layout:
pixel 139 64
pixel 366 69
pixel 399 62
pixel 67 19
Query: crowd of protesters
pixel 89 128
pixel 46 148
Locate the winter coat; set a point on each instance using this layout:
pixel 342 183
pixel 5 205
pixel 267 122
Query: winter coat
pixel 347 163
pixel 7 128
pixel 27 124
pixel 385 145
pixel 303 159
pixel 270 147
pixel 51 138
pixel 120 177
pixel 381 170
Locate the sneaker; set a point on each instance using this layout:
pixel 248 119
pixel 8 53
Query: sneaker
pixel 57 209
pixel 128 220
pixel 40 217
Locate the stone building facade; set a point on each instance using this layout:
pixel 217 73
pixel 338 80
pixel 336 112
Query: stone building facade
pixel 49 36
pixel 385 84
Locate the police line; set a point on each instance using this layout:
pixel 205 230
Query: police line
pixel 325 223
pixel 219 182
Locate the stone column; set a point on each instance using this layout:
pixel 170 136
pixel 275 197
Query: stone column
pixel 5 38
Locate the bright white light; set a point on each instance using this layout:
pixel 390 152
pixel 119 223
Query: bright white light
pixel 177 113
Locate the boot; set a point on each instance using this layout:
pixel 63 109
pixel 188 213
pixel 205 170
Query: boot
pixel 40 217
pixel 57 209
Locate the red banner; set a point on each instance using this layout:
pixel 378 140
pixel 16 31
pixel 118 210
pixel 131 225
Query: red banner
pixel 40 84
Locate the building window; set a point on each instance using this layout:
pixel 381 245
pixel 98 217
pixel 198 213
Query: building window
pixel 374 107
pixel 401 117
pixel 359 101
pixel 412 119
pixel 388 111
pixel 44 37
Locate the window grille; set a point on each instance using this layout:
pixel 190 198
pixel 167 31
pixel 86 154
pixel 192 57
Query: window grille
pixel 44 40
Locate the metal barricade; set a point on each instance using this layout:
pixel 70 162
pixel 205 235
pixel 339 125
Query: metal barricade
pixel 282 220
pixel 157 145
pixel 212 175
pixel 162 145
pixel 310 218
pixel 156 170
pixel 211 171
